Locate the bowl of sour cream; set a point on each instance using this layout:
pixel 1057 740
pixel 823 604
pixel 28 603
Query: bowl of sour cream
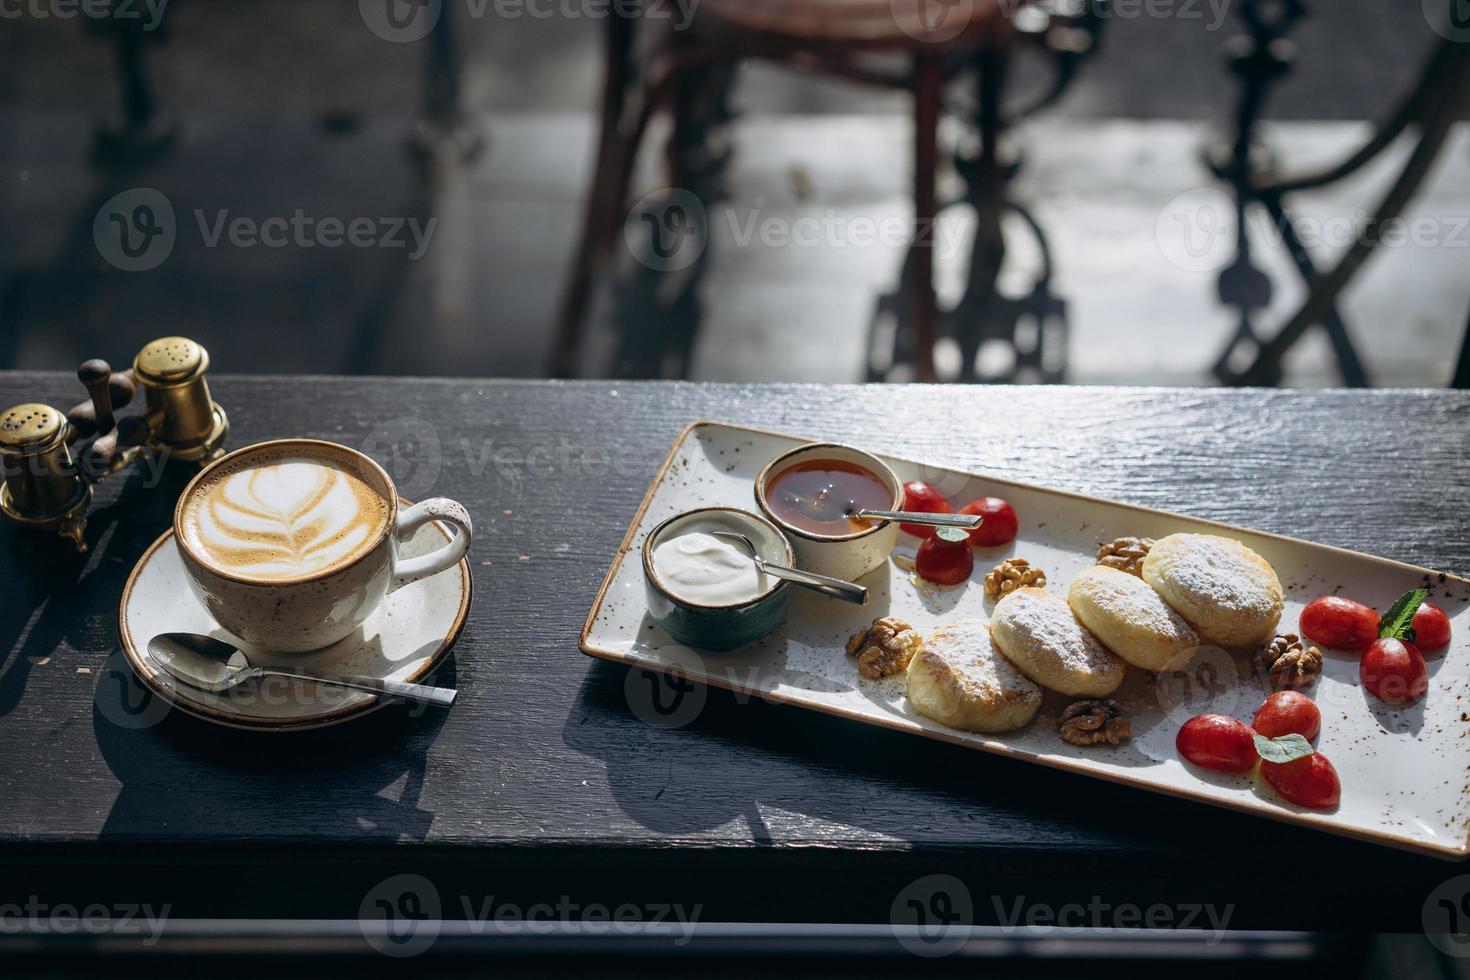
pixel 705 591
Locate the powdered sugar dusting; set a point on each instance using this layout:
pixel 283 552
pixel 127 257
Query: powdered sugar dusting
pixel 1215 571
pixel 1044 624
pixel 977 667
pixel 1134 601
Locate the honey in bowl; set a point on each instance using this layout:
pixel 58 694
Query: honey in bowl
pixel 822 496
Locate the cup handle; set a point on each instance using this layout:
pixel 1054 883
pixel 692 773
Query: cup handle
pixel 406 570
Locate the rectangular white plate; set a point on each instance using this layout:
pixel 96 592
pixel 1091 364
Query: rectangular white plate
pixel 1405 773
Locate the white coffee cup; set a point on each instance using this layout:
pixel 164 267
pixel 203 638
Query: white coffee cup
pixel 291 544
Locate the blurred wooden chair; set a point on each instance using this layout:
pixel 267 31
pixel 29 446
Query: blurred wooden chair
pixel 822 36
pixel 1461 378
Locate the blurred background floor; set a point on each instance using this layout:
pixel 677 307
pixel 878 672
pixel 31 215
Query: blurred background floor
pixel 291 106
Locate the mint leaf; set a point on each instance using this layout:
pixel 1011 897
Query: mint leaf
pixel 1283 749
pixel 952 534
pixel 1396 622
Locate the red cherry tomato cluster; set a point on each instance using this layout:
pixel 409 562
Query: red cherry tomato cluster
pixel 1226 744
pixel 1393 667
pixel 945 561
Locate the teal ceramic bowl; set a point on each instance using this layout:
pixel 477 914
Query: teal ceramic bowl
pixel 718 627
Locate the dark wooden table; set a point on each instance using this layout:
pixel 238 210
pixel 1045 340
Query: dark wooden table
pixel 545 782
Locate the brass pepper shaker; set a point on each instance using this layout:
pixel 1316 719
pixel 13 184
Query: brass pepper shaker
pixel 180 412
pixel 42 486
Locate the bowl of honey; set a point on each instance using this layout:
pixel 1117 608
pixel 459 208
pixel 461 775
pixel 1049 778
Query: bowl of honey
pixel 813 493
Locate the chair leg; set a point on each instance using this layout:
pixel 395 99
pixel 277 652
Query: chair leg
pixel 610 177
pixel 1462 369
pixel 927 90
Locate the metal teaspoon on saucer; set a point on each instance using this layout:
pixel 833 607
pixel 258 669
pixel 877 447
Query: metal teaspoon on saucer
pixel 216 666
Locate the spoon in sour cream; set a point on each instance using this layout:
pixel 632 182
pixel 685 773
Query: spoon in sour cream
pixel 828 586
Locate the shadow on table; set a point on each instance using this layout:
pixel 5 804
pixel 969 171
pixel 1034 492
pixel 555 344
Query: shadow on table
pixel 52 607
pixel 707 757
pixel 189 778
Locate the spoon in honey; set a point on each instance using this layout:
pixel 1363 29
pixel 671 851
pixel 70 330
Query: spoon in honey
pixel 965 522
pixel 834 587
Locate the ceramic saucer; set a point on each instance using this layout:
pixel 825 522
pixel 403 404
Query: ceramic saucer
pixel 405 638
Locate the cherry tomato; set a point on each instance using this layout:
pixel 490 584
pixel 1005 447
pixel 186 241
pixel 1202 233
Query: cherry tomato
pixel 944 562
pixel 1431 627
pixel 999 526
pixel 1285 712
pixel 1217 742
pixel 1309 781
pixel 921 497
pixel 1339 623
pixel 1394 670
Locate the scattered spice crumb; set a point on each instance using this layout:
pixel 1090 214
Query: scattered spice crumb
pixel 486 563
pixel 506 511
pixel 525 557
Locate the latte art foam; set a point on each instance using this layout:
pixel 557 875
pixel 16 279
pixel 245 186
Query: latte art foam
pixel 283 517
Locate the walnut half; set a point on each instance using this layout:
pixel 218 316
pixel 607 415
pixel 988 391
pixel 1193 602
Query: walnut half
pixel 1094 720
pixel 884 648
pixel 1287 663
pixel 1125 554
pixel 1012 574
